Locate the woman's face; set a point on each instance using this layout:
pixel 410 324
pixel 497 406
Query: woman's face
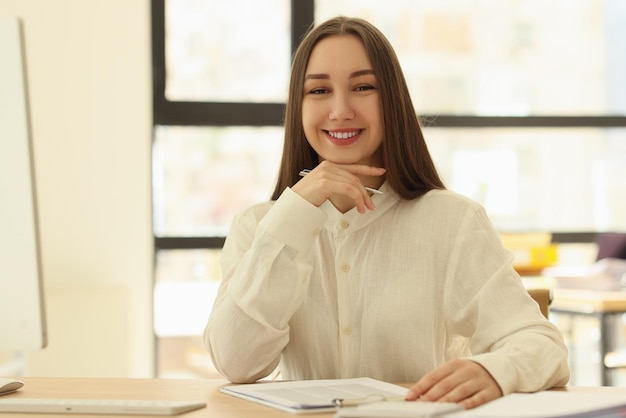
pixel 341 111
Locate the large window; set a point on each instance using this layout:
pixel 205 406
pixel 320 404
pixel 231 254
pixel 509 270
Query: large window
pixel 504 58
pixel 524 106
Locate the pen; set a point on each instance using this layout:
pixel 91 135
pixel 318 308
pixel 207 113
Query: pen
pixel 369 399
pixel 304 172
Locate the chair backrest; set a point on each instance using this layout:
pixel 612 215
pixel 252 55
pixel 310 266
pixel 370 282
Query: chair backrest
pixel 543 297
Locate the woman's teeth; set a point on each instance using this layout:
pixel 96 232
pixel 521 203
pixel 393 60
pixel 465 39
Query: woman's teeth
pixel 343 135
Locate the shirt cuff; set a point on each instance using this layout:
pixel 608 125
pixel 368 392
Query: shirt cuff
pixel 294 221
pixel 499 367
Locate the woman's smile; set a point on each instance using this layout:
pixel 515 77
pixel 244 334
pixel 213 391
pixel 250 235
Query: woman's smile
pixel 343 137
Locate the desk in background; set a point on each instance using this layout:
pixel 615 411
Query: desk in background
pixel 219 405
pixel 608 308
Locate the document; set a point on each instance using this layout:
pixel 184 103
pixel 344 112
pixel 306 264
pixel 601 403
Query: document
pixel 314 396
pixel 402 409
pixel 550 404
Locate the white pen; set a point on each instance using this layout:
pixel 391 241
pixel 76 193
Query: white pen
pixel 306 171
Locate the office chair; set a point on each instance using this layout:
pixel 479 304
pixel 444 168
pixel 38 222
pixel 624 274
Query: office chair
pixel 543 297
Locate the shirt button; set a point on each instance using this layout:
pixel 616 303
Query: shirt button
pixel 347 330
pixel 345 268
pixel 344 224
pixel 316 232
pixel 304 278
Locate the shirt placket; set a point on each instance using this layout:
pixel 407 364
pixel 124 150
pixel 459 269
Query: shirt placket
pixel 343 270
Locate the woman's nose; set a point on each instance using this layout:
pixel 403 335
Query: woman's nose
pixel 341 108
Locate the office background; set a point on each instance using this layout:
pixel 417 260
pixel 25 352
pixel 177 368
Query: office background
pixel 128 200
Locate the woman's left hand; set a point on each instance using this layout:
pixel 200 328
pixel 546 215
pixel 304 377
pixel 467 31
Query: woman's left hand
pixel 461 381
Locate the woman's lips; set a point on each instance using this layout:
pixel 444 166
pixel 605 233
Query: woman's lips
pixel 345 137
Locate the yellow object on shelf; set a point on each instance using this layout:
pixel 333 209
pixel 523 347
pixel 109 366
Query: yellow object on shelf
pixel 532 251
pixel 544 256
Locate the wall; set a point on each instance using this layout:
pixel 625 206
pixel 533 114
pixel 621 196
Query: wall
pixel 90 84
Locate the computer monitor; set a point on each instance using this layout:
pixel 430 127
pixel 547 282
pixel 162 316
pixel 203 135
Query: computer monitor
pixel 22 310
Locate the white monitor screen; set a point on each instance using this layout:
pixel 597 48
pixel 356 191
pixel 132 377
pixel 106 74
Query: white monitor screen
pixel 22 313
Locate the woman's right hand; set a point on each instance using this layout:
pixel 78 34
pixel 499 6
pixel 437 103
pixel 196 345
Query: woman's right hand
pixel 341 182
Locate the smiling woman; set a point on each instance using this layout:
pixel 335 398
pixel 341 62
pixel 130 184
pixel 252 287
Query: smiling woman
pixel 305 287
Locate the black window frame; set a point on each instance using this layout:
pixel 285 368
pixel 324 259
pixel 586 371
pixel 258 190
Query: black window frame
pixel 183 113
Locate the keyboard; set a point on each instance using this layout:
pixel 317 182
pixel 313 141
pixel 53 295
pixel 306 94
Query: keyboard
pixel 97 406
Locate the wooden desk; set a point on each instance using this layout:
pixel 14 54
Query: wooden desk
pixel 219 405
pixel 608 307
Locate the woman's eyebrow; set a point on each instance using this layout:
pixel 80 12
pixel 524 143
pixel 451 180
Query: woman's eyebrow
pixel 326 76
pixel 361 72
pixel 317 77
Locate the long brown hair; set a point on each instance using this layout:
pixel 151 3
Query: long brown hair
pixel 410 170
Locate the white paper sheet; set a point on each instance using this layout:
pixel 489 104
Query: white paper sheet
pixel 313 396
pixel 549 404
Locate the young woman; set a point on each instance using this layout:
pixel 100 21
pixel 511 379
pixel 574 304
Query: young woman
pixel 331 280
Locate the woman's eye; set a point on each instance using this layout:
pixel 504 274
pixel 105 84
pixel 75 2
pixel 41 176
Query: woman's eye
pixel 318 91
pixel 364 87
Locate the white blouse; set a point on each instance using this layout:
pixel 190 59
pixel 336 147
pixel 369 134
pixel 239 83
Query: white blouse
pixel 389 294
